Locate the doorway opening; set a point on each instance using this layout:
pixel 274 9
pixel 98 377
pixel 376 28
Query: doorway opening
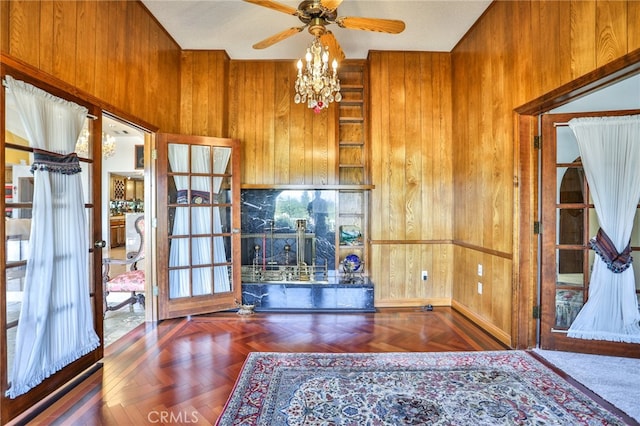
pixel 123 204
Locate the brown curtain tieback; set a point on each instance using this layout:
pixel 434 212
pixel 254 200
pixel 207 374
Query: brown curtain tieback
pixel 604 247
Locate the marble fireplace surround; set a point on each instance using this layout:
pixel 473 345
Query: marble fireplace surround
pixel 271 232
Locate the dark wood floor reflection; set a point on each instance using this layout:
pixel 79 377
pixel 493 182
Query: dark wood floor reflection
pixel 182 371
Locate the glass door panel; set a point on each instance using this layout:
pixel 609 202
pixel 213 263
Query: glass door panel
pixel 199 222
pixel 18 256
pixel 569 221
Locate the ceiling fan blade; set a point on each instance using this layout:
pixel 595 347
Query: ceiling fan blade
pixel 392 26
pixel 269 41
pixel 330 4
pixel 335 51
pixel 275 6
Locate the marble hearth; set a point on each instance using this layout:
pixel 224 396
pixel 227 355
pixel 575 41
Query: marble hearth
pixel 309 297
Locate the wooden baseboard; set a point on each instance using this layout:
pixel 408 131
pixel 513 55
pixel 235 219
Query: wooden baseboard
pixel 409 303
pixel 499 334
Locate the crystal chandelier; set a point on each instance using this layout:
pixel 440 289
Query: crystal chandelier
pixel 317 84
pixel 108 144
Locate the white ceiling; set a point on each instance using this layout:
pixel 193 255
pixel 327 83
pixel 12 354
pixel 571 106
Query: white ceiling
pixel 234 26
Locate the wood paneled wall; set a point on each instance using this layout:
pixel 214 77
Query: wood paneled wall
pixel 411 164
pixel 443 142
pixel 113 50
pixel 204 93
pixel 516 52
pixel 283 143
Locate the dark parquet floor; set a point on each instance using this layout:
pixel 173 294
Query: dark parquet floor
pixel 182 371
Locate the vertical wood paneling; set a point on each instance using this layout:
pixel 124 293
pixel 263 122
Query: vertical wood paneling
pixel 413 157
pixel 4 26
pixel 611 30
pixel 283 121
pixel 411 169
pixel 47 23
pixel 111 50
pixel 633 29
pixel 283 143
pixel 516 52
pixel 186 92
pixel 86 70
pixel 583 37
pixel 63 44
pixel 24 31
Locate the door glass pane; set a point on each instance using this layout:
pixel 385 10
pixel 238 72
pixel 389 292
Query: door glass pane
pixel 202 280
pixel 594 223
pixel 18 196
pixel 568 304
pixel 570 262
pixel 570 226
pixel 201 249
pixel 571 185
pixel 635 233
pixel 201 220
pixel 567 146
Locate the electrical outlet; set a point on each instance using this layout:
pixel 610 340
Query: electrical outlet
pixel 479 269
pixel 479 288
pixel 425 275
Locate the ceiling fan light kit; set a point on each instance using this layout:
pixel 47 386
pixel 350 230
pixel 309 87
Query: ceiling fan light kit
pixel 317 85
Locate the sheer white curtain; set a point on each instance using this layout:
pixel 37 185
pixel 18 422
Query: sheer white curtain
pixel 610 151
pixel 204 222
pixel 56 324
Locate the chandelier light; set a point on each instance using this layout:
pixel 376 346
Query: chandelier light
pixel 317 83
pixel 108 144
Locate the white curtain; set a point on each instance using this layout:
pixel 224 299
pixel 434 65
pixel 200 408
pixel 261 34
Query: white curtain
pixel 56 323
pixel 610 151
pixel 205 221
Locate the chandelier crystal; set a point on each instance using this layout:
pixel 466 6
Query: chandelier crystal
pixel 108 144
pixel 317 83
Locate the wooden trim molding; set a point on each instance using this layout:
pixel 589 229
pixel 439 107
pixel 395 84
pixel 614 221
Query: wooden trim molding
pixel 485 250
pixel 308 187
pixel 500 335
pixel 409 242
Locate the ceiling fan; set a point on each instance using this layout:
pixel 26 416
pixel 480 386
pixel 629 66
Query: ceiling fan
pixel 316 15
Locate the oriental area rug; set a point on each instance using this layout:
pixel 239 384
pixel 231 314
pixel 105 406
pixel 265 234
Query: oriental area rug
pixel 451 388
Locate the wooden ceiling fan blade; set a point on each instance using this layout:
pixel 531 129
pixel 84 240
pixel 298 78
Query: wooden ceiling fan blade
pixel 330 4
pixel 275 6
pixel 335 51
pixel 392 26
pixel 270 41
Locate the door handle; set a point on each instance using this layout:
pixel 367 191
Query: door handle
pixel 100 244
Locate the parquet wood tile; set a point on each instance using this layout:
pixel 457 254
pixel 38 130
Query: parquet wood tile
pixel 182 371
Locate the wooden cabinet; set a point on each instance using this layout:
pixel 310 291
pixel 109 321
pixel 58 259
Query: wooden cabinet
pixel 118 232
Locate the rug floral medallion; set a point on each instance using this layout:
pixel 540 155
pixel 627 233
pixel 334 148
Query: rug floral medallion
pixel 464 388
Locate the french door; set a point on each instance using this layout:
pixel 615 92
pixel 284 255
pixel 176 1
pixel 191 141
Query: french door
pixel 17 154
pixel 198 225
pixel 569 220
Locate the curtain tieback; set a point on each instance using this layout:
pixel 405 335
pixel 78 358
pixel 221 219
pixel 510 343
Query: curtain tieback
pixel 55 163
pixel 616 262
pixel 197 197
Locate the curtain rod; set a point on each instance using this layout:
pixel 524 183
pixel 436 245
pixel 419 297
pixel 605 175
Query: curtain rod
pixel 5 84
pixel 560 124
